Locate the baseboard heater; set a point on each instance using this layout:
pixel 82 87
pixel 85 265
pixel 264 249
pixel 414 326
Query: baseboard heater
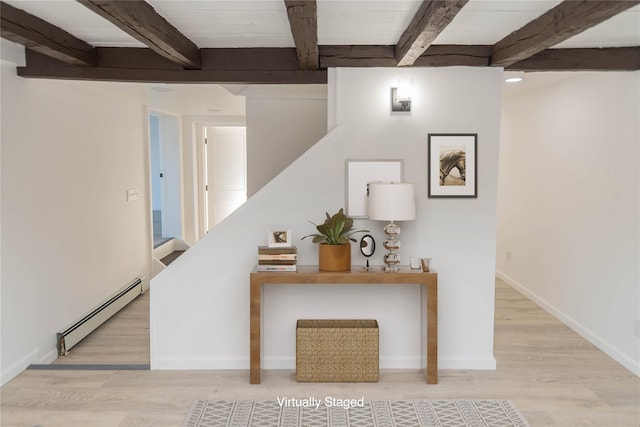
pixel 96 317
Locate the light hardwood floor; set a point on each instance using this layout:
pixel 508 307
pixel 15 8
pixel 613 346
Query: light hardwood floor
pixel 124 339
pixel 553 376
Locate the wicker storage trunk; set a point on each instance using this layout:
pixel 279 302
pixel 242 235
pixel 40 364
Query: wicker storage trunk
pixel 337 351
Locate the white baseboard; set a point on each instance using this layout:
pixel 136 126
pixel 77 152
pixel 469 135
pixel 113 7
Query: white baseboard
pixel 20 366
pixel 199 364
pixel 468 364
pixel 290 363
pixel 49 357
pixel 576 326
pixel 280 363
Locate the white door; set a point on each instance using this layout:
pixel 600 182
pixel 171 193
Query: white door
pixel 226 172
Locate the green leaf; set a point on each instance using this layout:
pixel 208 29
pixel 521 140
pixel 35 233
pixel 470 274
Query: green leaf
pixel 349 222
pixel 323 229
pixel 318 239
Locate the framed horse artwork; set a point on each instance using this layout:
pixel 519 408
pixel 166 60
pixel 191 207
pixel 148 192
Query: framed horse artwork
pixel 453 165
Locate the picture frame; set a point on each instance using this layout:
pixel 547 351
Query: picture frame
pixel 453 165
pixel 279 238
pixel 360 173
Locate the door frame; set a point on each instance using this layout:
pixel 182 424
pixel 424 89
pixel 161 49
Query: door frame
pixel 173 224
pixel 198 128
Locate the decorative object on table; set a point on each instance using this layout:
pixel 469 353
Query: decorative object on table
pixel 426 265
pixel 332 411
pixel 367 247
pixel 281 258
pixel 334 237
pixel 360 173
pixel 279 238
pixel 337 351
pixel 453 165
pixel 392 202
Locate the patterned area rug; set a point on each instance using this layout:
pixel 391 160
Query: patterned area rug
pixel 312 412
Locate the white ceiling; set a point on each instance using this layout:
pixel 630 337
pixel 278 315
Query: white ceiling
pixel 77 20
pixel 264 23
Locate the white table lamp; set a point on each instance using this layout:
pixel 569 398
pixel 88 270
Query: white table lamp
pixel 392 202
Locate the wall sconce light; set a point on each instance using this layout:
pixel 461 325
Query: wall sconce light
pixel 400 99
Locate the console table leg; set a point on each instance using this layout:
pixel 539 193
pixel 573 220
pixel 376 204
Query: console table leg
pixel 432 333
pixel 254 332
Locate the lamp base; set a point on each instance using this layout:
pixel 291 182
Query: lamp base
pixel 392 259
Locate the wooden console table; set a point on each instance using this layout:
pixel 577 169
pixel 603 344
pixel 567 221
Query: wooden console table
pixel 310 274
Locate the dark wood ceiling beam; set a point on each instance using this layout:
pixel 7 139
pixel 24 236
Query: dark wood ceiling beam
pixel 303 19
pixel 567 19
pixel 383 56
pixel 216 59
pixel 272 66
pixel 455 55
pixel 140 20
pixel 32 32
pixel 431 18
pixel 282 59
pixel 176 76
pixel 605 59
pixel 279 65
pixel 357 56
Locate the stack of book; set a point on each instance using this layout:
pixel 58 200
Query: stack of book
pixel 277 259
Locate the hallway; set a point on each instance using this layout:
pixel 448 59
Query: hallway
pixel 552 375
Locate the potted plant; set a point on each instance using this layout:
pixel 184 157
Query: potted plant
pixel 334 237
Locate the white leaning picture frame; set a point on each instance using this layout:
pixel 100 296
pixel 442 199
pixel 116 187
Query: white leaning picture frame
pixel 359 174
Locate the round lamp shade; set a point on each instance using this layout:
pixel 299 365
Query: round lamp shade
pixel 392 202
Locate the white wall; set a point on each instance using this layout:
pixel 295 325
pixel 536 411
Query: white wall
pixel 569 203
pixel 70 151
pixel 200 307
pixel 282 123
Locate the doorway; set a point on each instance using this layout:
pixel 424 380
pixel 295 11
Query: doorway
pixel 225 172
pixel 164 141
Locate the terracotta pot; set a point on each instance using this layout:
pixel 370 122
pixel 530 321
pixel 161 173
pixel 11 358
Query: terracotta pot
pixel 334 257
